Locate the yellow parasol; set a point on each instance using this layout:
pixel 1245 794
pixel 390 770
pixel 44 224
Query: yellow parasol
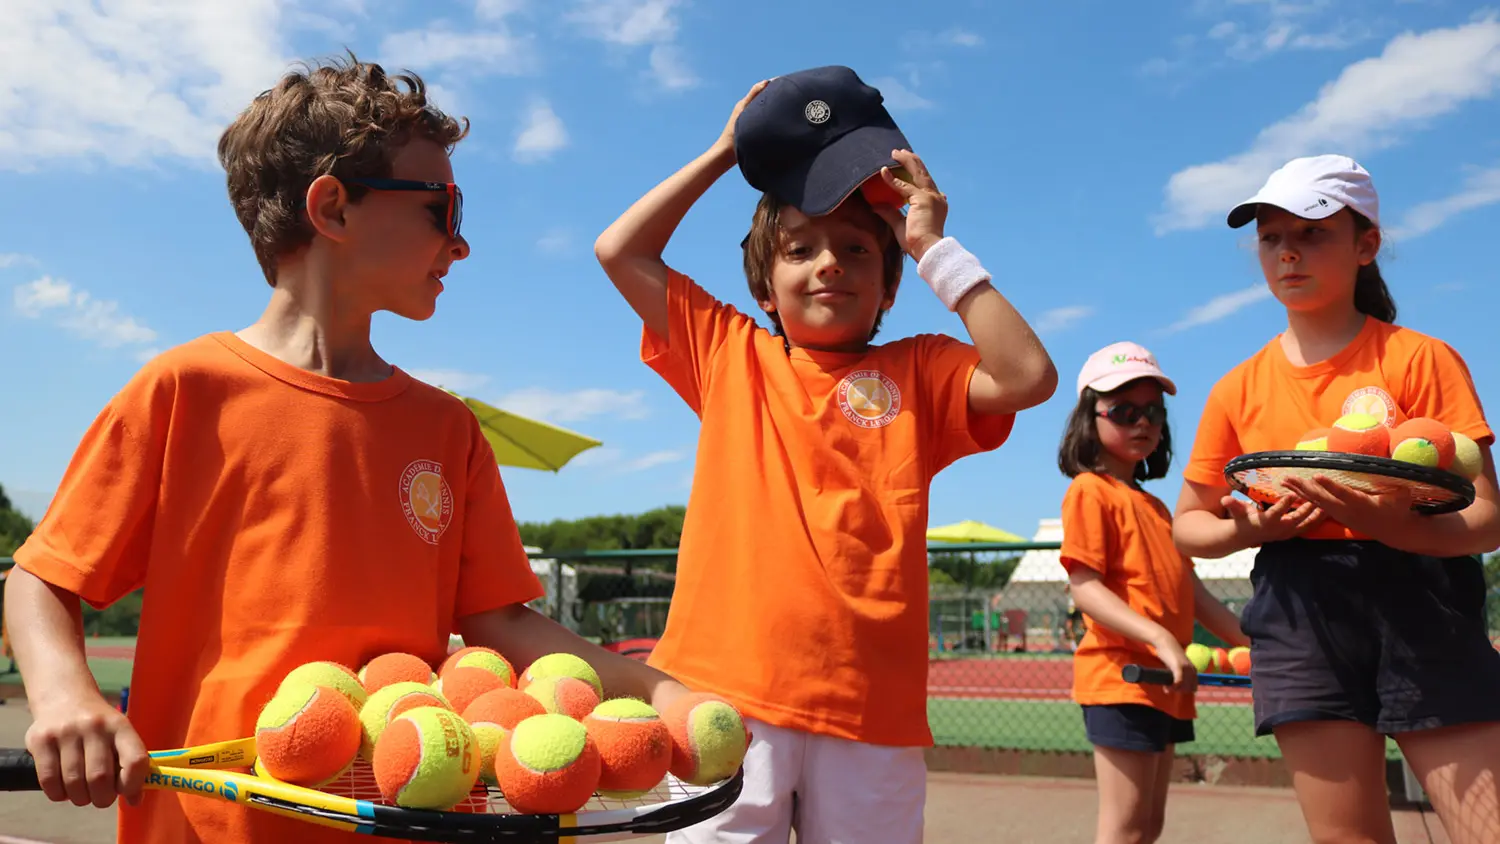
pixel 970 531
pixel 527 443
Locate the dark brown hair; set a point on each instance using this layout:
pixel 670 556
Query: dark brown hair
pixel 343 119
pixel 1371 296
pixel 764 242
pixel 1082 452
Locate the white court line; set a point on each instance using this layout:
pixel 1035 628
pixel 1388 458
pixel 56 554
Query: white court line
pixel 6 839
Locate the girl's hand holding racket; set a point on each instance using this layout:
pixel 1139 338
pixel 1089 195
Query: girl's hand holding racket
pixel 1287 518
pixel 922 225
pixel 1184 673
pixel 86 752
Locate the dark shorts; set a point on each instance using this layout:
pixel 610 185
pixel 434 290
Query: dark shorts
pixel 1358 631
pixel 1134 726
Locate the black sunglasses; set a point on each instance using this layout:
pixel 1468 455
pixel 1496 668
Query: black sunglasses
pixel 451 219
pixel 1126 413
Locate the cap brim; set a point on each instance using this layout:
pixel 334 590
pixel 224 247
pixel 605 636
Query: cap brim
pixel 1307 204
pixel 1116 380
pixel 839 169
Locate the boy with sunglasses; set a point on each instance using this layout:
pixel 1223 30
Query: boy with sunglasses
pixel 282 493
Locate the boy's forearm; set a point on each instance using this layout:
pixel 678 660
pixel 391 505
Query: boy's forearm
pixel 1009 350
pixel 645 228
pixel 524 635
pixel 45 627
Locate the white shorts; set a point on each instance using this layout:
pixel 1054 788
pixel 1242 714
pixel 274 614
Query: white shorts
pixel 831 791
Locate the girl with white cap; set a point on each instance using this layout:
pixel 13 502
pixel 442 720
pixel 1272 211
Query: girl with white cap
pixel 1367 620
pixel 1139 593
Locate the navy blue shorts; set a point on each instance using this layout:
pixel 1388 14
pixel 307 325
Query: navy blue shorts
pixel 1134 726
pixel 1358 631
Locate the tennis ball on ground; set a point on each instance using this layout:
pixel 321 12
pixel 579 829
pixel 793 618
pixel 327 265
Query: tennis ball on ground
pixel 427 758
pixel 1360 433
pixel 388 703
pixel 307 735
pixel 463 684
pixel 564 695
pixel 1200 655
pixel 635 747
pixel 329 675
pixel 1423 441
pixel 709 738
pixel 388 669
pixel 1468 460
pixel 477 657
pixel 1239 660
pixel 1314 440
pixel 562 665
pixel 492 715
pixel 547 765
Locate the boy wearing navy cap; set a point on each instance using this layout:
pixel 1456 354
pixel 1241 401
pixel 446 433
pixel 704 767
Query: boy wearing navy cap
pixel 801 591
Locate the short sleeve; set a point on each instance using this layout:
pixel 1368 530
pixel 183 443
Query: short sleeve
pixel 95 538
pixel 698 327
pixel 1215 444
pixel 1439 386
pixel 1088 530
pixel 947 365
pixel 494 570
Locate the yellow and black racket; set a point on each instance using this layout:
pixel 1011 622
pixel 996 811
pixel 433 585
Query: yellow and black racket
pixel 1433 491
pixel 228 771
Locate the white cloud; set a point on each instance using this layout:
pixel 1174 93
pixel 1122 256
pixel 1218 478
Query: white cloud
pixel 491 10
pixel 1371 105
pixel 617 461
pixel 1060 319
pixel 632 24
pixel 542 134
pixel 571 406
pixel 79 313
pixel 555 242
pixel 1220 307
pixel 654 459
pixel 16 259
pixel 470 52
pixel 1481 188
pixel 453 379
pixel 962 38
pixel 899 97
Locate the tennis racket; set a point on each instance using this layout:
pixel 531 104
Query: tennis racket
pixel 228 771
pixel 1163 677
pixel 1433 491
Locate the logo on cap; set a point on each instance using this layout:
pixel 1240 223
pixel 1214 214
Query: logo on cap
pixel 817 112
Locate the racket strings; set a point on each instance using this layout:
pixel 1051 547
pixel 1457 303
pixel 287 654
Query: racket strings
pixel 1267 481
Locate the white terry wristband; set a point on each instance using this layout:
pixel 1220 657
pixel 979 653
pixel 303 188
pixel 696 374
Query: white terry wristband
pixel 951 271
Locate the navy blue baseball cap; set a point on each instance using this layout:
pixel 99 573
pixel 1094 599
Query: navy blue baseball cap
pixel 813 137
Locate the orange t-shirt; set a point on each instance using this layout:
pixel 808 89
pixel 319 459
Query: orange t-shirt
pixel 274 517
pixel 1125 534
pixel 1392 373
pixel 801 589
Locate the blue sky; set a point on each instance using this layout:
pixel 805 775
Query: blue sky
pixel 1089 153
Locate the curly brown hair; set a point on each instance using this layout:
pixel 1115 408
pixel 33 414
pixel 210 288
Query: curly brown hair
pixel 764 241
pixel 342 118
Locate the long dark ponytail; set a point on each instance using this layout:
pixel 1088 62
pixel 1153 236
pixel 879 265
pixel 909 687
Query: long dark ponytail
pixel 1371 296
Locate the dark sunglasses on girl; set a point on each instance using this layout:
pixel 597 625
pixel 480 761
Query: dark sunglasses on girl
pixel 449 217
pixel 1126 413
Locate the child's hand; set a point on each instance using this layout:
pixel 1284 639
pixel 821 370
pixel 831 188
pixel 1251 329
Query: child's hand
pixel 922 225
pixel 1184 673
pixel 1279 521
pixel 725 143
pixel 1376 516
pixel 86 751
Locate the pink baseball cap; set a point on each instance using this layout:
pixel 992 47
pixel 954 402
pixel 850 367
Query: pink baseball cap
pixel 1118 364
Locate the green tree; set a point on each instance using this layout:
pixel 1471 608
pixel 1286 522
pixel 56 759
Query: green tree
pixel 982 571
pixel 14 526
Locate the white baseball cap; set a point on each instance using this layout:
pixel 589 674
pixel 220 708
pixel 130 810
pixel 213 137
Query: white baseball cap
pixel 1118 364
pixel 1314 188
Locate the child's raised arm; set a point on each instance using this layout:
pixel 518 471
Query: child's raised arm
pixel 630 250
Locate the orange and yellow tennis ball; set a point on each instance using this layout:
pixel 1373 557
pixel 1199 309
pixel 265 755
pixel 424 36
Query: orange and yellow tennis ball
pixel 709 738
pixel 427 758
pixel 1221 663
pixel 1423 441
pixel 1360 433
pixel 388 703
pixel 307 735
pixel 635 747
pixel 562 665
pixel 478 657
pixel 1468 460
pixel 492 715
pixel 564 695
pixel 547 765
pixel 1314 440
pixel 462 685
pixel 1239 660
pixel 391 668
pixel 877 192
pixel 329 675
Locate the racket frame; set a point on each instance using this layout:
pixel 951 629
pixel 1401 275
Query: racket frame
pixel 1455 485
pixel 1162 677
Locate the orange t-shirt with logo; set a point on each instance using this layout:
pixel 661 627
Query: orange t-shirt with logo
pixel 274 517
pixel 1125 534
pixel 1389 372
pixel 801 589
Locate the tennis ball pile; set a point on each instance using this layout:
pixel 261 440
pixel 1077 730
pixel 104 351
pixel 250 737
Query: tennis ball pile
pixel 1218 660
pixel 1421 441
pixel 547 738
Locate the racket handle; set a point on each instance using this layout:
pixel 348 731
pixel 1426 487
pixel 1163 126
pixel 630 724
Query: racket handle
pixel 17 770
pixel 1142 674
